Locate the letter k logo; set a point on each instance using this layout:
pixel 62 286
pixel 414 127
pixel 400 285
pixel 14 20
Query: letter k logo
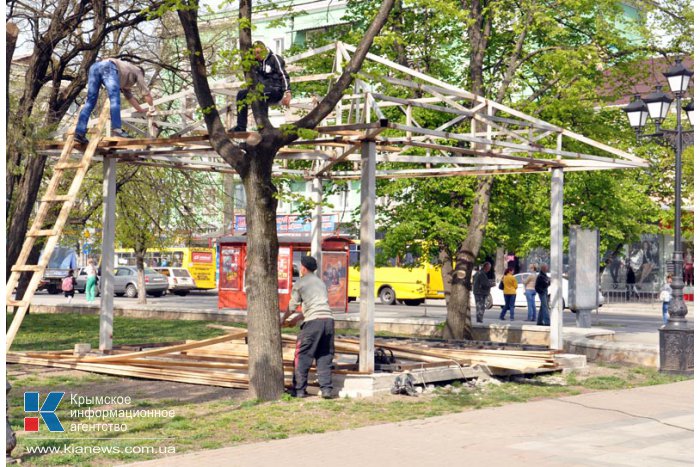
pixel 47 411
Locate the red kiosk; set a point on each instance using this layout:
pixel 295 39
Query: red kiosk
pixel 334 270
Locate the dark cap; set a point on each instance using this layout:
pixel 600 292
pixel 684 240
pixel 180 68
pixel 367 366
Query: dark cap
pixel 309 262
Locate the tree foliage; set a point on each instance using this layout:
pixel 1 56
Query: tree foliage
pixel 551 60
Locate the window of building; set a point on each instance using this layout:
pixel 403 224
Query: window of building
pixel 278 45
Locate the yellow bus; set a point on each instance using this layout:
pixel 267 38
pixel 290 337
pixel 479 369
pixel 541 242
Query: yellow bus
pixel 411 285
pixel 199 261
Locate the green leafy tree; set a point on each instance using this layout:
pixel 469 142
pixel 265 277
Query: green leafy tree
pixel 549 59
pixel 158 209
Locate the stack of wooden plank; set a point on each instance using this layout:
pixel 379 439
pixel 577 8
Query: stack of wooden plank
pixel 223 361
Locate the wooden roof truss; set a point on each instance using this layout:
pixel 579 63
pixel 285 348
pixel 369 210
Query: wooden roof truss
pixel 481 136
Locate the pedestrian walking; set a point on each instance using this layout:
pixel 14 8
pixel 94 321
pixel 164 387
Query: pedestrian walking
pixel 482 290
pixel 510 287
pixel 91 282
pixel 315 340
pixel 530 292
pixel 116 76
pixel 68 284
pixel 269 72
pixel 665 297
pixel 541 287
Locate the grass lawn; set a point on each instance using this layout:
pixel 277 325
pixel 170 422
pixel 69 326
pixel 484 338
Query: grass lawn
pixel 205 417
pixel 63 331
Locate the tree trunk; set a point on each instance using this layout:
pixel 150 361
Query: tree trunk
pixel 500 266
pixel 23 208
pixel 141 276
pixel 458 325
pixel 479 35
pixel 446 273
pixel 11 34
pixel 24 279
pixel 265 364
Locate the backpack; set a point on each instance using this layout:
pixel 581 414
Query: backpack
pixel 67 284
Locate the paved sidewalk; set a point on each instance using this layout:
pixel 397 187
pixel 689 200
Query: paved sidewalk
pixel 651 426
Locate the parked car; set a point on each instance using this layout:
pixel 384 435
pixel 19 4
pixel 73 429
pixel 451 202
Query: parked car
pixel 520 300
pixel 125 282
pixel 180 282
pixel 81 279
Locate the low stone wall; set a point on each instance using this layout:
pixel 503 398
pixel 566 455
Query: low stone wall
pixel 613 352
pixel 150 312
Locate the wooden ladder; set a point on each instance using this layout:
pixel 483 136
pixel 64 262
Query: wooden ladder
pixel 51 197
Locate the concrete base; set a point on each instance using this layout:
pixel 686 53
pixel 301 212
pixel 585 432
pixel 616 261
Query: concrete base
pixel 583 318
pixel 571 362
pixel 676 349
pixel 381 383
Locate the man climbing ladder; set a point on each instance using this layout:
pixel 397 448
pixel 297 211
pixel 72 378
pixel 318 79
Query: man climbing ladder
pixel 115 75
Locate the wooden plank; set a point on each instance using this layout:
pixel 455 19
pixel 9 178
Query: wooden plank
pixel 28 268
pixel 367 237
pixel 67 165
pixel 109 209
pixel 164 350
pixel 56 199
pixel 213 380
pixel 41 233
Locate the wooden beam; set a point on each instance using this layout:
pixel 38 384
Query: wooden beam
pixel 367 238
pixel 109 218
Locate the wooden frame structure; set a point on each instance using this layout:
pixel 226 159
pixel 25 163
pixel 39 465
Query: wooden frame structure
pixel 373 133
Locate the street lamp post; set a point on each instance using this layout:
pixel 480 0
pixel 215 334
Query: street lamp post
pixel 675 337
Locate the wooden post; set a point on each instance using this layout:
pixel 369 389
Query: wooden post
pixel 317 222
pixel 367 213
pixel 109 208
pixel 557 256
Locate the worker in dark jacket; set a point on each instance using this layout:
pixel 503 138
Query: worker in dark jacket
pixel 315 340
pixel 541 287
pixel 269 72
pixel 482 289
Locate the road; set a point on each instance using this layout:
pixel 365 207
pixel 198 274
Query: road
pixel 625 318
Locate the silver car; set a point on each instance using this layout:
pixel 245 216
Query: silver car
pixel 125 282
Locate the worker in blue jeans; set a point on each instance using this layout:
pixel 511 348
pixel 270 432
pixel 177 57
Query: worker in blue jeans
pixel 116 76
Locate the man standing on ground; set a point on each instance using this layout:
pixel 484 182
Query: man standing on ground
pixel 270 72
pixel 541 287
pixel 315 340
pixel 115 75
pixel 482 289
